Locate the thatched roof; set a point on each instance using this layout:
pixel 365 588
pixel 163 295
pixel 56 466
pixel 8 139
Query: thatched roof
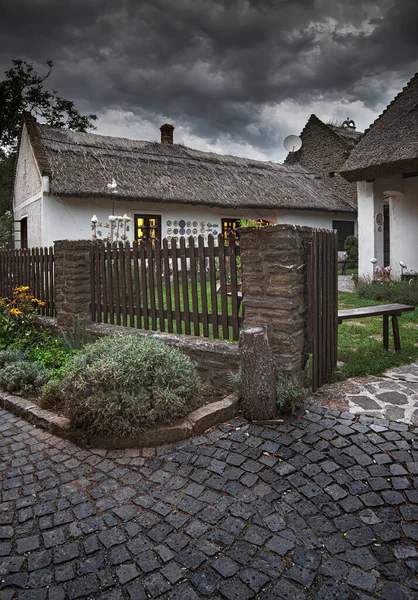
pixel 83 164
pixel 346 136
pixel 390 144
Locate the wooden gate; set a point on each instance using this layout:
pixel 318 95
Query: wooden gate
pixel 323 304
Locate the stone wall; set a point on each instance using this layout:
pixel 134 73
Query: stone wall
pixel 274 279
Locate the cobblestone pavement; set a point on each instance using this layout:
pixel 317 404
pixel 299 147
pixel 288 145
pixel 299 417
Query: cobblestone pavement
pixel 393 397
pixel 323 507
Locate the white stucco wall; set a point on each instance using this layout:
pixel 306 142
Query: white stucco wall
pixel 27 197
pixel 403 214
pixel 69 218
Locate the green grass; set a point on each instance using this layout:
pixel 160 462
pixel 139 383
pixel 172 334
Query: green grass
pixel 364 355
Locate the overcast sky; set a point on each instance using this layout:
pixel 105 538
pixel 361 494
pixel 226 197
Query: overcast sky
pixel 233 76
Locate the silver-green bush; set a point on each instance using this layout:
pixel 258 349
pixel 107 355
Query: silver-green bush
pixel 122 385
pixel 23 376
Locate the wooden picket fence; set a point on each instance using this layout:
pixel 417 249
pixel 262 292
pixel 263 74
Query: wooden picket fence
pixel 186 288
pixel 323 304
pixel 33 267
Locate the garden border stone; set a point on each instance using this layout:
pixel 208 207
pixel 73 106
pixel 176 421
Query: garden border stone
pixel 195 423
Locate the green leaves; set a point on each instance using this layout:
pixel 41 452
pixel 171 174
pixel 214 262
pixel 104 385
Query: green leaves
pixel 23 89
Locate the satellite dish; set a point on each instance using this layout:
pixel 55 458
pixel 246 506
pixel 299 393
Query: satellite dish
pixel 292 143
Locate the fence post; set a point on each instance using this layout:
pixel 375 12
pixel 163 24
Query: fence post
pixel 72 281
pixel 258 375
pixel 273 262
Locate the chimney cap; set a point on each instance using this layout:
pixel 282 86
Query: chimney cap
pixel 167 126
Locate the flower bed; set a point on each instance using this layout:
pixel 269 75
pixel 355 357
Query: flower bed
pixel 118 391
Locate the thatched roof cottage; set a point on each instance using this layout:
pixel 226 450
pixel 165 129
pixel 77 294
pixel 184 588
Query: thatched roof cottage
pixel 64 177
pixel 385 166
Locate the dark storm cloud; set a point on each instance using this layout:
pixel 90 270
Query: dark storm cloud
pixel 214 66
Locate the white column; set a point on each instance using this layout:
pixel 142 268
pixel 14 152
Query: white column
pixel 370 204
pixel 404 229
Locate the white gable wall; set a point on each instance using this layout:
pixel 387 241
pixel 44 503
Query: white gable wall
pixel 27 198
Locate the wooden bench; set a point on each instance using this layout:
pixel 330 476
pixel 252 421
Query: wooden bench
pixel 385 311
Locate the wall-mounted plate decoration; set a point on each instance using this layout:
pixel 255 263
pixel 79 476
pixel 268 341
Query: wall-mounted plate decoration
pixel 182 223
pixel 169 230
pixel 194 230
pixel 175 231
pixel 169 238
pixel 194 223
pixel 189 223
pixel 175 223
pixel 215 232
pixel 168 223
pixel 214 225
pixel 202 223
pixel 182 230
pixel 202 230
pixel 188 230
pixel 209 224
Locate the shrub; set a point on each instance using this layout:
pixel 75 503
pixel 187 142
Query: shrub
pixel 23 376
pixel 390 291
pixel 17 315
pixel 290 394
pixel 351 247
pixel 121 385
pixel 11 356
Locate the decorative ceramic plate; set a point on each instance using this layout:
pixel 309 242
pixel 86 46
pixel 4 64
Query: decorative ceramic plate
pixel 202 223
pixel 194 223
pixel 168 238
pixel 189 223
pixel 215 232
pixel 182 230
pixel 188 231
pixel 169 230
pixel 168 223
pixel 175 223
pixel 194 230
pixel 182 223
pixel 175 231
pixel 202 230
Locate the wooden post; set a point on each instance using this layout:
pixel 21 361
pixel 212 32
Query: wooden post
pixel 258 375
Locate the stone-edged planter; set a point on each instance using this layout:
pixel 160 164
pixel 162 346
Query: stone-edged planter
pixel 195 423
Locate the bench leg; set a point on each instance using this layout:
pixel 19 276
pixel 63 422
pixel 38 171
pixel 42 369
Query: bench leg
pixel 397 339
pixel 386 332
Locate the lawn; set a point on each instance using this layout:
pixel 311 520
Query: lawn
pixel 360 347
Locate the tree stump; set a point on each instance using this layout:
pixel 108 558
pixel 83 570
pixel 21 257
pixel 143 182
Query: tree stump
pixel 258 375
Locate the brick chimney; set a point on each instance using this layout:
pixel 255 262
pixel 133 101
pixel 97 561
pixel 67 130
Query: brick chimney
pixel 167 133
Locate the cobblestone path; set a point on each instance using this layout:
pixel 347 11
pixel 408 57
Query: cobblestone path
pixel 323 507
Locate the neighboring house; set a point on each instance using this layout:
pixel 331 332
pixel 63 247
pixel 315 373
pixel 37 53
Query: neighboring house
pixel 385 166
pixel 62 178
pixel 325 148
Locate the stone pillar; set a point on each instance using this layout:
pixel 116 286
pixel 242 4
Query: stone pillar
pixel 72 281
pixel 273 261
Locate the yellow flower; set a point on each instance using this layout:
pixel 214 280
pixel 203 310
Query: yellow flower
pixel 15 312
pixel 22 288
pixel 38 302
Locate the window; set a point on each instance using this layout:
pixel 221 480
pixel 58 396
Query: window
pixel 147 227
pixel 229 225
pixel 344 229
pixel 24 233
